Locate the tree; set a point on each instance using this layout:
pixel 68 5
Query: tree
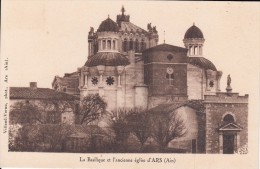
pixel 167 127
pixel 139 121
pixel 25 113
pixel 121 128
pixel 92 107
pixel 40 111
pixel 53 136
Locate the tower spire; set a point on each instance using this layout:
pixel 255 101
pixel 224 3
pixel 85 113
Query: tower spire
pixel 164 36
pixel 123 10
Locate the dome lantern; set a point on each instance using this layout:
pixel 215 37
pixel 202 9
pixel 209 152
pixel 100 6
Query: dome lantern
pixel 193 41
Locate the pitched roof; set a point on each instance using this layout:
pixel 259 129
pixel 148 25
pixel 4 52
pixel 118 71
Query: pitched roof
pixel 69 82
pixel 170 107
pixel 202 62
pixel 166 47
pixel 38 93
pixel 107 59
pixel 130 27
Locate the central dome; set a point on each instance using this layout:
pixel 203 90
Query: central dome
pixel 193 32
pixel 108 25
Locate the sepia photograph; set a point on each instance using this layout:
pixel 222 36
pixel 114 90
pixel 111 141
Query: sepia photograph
pixel 130 82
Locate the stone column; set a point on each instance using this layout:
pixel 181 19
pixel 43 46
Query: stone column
pixel 101 70
pixel 220 143
pixel 120 70
pixel 86 79
pixel 119 91
pixel 238 141
pixel 219 74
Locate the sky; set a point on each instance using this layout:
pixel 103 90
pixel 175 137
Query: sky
pixel 46 38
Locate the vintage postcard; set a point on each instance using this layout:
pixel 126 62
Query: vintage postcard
pixel 129 84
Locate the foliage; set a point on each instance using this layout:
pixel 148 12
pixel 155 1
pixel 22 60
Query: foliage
pixel 25 113
pixel 166 126
pixel 139 124
pixel 92 107
pixel 13 133
pixel 41 137
pixel 121 128
pixel 39 112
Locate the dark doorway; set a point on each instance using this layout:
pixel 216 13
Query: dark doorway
pixel 228 143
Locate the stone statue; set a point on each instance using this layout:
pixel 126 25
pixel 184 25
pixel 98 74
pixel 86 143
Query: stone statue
pixel 91 32
pixel 149 27
pixel 228 80
pixel 154 29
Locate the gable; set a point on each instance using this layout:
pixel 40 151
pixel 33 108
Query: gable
pixel 230 127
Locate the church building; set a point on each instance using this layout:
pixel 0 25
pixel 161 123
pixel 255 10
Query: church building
pixel 129 69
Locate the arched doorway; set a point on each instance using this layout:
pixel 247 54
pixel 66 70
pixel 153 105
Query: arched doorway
pixel 228 135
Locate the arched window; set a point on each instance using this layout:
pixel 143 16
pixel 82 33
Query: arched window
pixel 108 44
pixel 131 45
pixel 114 44
pixel 143 45
pixel 136 45
pixel 125 45
pixel 104 44
pixel 228 118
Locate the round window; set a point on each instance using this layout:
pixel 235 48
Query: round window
pixel 110 80
pixel 94 80
pixel 211 83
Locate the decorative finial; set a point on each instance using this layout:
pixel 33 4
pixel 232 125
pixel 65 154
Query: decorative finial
pixel 164 36
pixel 108 16
pixel 123 10
pixel 193 23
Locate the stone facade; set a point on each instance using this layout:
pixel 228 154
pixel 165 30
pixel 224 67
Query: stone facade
pixel 217 108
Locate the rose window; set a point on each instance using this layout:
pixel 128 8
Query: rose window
pixel 110 80
pixel 94 80
pixel 211 83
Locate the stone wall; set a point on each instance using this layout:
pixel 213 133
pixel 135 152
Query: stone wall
pixel 195 82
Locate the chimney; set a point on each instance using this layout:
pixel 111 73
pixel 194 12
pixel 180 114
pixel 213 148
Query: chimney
pixel 33 85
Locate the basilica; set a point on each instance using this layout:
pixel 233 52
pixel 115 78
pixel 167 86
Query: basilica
pixel 129 69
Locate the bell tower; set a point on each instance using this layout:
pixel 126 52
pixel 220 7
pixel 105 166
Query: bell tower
pixel 194 41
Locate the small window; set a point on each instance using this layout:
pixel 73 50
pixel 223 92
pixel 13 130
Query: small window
pixel 131 45
pixel 125 47
pixel 211 83
pixel 94 80
pixel 64 89
pixel 136 45
pixel 170 78
pixel 103 44
pixel 228 118
pixel 169 57
pixel 110 80
pixel 108 44
pixel 114 44
pixel 143 46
